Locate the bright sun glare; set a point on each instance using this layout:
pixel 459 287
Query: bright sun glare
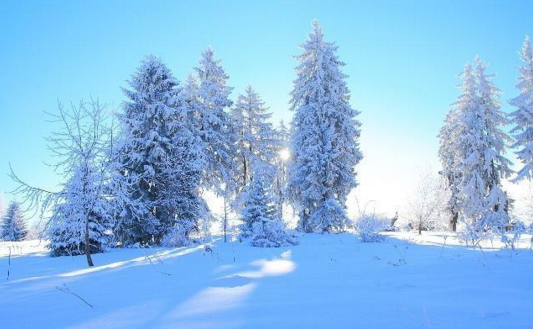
pixel 284 154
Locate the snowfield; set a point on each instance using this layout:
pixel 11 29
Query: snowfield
pixel 327 281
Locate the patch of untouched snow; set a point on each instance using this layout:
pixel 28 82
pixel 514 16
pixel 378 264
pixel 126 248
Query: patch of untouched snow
pixel 327 281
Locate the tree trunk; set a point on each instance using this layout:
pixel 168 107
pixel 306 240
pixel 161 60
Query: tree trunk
pixel 225 220
pixel 88 244
pixel 245 170
pixel 420 228
pixel 454 222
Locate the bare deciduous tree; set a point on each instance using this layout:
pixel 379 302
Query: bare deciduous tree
pixel 427 207
pixel 82 146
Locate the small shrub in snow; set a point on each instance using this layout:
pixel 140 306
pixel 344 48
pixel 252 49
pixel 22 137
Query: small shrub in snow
pixel 512 236
pixel 369 227
pixel 272 234
pixel 176 237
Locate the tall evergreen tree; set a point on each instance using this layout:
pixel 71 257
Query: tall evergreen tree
pixel 208 98
pixel 148 130
pixel 479 151
pixel 14 227
pixel 182 196
pixel 522 117
pixel 447 149
pixel 257 142
pixel 324 144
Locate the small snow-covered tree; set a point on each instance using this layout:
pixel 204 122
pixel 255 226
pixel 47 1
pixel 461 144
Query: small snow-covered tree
pixel 260 219
pixel 427 207
pixel 3 206
pixel 80 218
pixel 14 227
pixel 81 215
pixel 35 231
pixel 207 96
pixel 479 149
pixel 146 154
pixel 522 117
pixel 325 133
pixel 3 209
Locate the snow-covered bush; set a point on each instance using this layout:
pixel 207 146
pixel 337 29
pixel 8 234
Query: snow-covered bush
pixel 513 234
pixel 176 237
pixel 508 233
pixel 369 227
pixel 272 234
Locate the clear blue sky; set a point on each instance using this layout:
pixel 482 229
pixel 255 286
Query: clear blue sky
pixel 402 58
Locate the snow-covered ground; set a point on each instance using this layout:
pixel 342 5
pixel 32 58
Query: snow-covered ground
pixel 328 281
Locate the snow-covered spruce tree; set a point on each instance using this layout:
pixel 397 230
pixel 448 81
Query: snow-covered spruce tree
pixel 448 160
pixel 257 143
pixel 80 216
pixel 182 197
pixel 325 133
pixel 207 96
pixel 14 226
pixel 522 118
pixel 3 209
pixel 3 205
pixel 146 154
pixel 261 222
pixel 82 213
pixel 479 149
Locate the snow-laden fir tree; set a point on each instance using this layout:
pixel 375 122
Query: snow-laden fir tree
pixel 325 133
pixel 182 197
pixel 3 209
pixel 448 159
pixel 14 226
pixel 146 154
pixel 208 97
pixel 3 206
pixel 479 151
pixel 257 141
pixel 81 218
pixel 261 222
pixel 522 118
